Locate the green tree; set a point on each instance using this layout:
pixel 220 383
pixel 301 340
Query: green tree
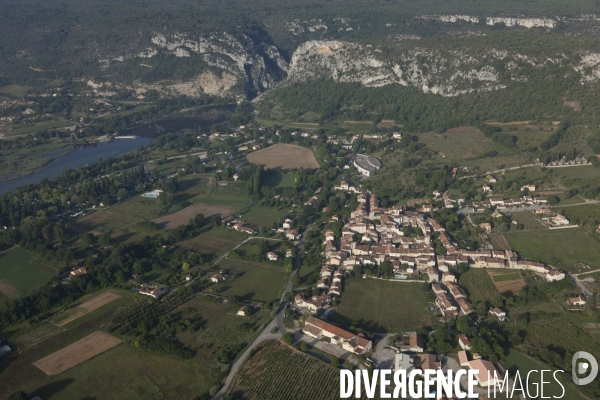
pixel 287 338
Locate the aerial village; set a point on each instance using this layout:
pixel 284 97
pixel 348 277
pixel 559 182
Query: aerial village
pixel 374 235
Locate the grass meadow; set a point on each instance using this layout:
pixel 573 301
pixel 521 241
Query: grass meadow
pixel 383 306
pixel 24 271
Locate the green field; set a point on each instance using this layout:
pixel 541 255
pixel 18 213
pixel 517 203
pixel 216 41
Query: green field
pixel 128 373
pixel 529 221
pixel 585 216
pixel 278 371
pixel 275 178
pixel 122 218
pixel 40 340
pixel 217 241
pixel 511 276
pixel 260 282
pixel 560 248
pixel 267 217
pixel 23 271
pixel 382 306
pixel 39 126
pixel 14 90
pixel 222 328
pixel 519 361
pixel 478 285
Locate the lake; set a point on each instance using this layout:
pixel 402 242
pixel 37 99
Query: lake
pixel 80 157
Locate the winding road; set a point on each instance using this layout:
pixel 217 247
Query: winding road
pixel 276 322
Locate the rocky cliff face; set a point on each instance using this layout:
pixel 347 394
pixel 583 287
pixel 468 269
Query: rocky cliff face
pixel 244 66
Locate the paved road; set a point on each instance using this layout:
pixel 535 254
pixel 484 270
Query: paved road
pixel 581 285
pixel 276 322
pixel 182 156
pixel 505 169
pixel 288 286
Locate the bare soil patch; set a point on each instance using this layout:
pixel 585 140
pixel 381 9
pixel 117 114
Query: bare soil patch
pixel 287 156
pixel 76 353
pixel 84 308
pixel 91 221
pixel 507 287
pixel 182 217
pixel 574 104
pixel 8 290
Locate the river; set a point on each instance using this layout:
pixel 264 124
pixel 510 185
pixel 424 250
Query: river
pixel 80 157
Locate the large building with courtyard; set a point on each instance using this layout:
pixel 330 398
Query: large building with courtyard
pixel 366 165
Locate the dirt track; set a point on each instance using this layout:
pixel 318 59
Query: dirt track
pixel 284 156
pixel 90 305
pixel 76 353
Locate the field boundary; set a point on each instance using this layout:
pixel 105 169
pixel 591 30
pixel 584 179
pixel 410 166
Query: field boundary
pixel 76 353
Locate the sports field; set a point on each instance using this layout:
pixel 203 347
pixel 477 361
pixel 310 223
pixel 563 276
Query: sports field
pixel 382 306
pixel 286 156
pixel 21 271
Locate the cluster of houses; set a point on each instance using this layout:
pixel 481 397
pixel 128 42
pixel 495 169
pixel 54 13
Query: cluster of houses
pixel 237 224
pixel 364 242
pixel 503 204
pixel 154 291
pixel 352 342
pixel 563 161
pixel 287 228
pixel 451 299
pixel 413 343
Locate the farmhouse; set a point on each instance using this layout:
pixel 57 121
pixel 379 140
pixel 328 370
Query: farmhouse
pixel 79 271
pixel 530 187
pixel 555 275
pixel 464 342
pixel 430 362
pixel 577 301
pixel 155 292
pixel 463 359
pixel 242 311
pixel 313 304
pixel 355 343
pixel 486 226
pixel 416 343
pixel 272 256
pixel 490 179
pixel 485 372
pixel 366 165
pixel 216 278
pixel 498 313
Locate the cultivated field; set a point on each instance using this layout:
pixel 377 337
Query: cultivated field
pixel 507 283
pixel 76 353
pixel 36 333
pixel 217 241
pixel 86 307
pixel 458 143
pixel 561 248
pixel 382 306
pixel 21 271
pixel 277 371
pixel 287 156
pixel 260 282
pixel 478 285
pixel 182 217
pixel 264 216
